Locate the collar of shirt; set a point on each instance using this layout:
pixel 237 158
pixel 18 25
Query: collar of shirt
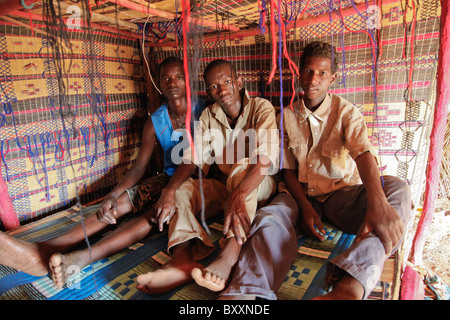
pixel 221 116
pixel 320 113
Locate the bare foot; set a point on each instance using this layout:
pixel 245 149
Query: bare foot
pixel 347 289
pixel 29 257
pixel 215 276
pixel 169 277
pixel 63 266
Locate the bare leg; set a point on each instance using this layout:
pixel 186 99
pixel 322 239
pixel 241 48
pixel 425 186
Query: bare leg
pixel 348 288
pixel 61 266
pixel 23 255
pixel 216 275
pixel 173 274
pixel 33 257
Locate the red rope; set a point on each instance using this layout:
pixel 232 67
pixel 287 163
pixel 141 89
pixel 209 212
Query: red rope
pixel 186 12
pixel 274 43
pixel 31 23
pixel 292 66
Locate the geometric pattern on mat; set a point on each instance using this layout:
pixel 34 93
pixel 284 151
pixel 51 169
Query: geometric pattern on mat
pixel 114 278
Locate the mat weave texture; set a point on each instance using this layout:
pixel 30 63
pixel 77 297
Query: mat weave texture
pixel 114 278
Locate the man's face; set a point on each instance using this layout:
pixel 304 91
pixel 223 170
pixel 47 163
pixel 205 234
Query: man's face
pixel 223 86
pixel 171 81
pixel 315 78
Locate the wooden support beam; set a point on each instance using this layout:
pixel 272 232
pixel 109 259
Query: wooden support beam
pixel 39 17
pixel 37 30
pixel 301 23
pixel 97 16
pixel 168 15
pixel 6 6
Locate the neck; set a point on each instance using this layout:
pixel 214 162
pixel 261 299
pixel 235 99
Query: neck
pixel 178 107
pixel 312 105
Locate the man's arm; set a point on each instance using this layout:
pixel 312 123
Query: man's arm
pixel 165 207
pixel 108 209
pixel 309 217
pixel 235 212
pixel 381 217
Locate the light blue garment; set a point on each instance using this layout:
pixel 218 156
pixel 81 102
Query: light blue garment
pixel 167 137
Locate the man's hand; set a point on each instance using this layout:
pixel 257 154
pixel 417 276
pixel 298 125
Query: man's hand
pixel 381 217
pixel 236 216
pixel 164 208
pixel 311 224
pixel 384 221
pixel 108 210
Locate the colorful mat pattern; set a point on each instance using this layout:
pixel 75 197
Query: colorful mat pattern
pixel 114 278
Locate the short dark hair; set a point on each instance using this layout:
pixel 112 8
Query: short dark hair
pixel 170 60
pixel 216 63
pixel 322 50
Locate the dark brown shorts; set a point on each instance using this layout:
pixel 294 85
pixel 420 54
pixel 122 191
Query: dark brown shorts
pixel 144 195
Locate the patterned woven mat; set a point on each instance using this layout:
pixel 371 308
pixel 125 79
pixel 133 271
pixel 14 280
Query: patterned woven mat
pixel 114 278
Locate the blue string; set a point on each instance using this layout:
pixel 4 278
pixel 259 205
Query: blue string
pixel 26 6
pixel 343 63
pixel 4 160
pixel 280 52
pixel 261 27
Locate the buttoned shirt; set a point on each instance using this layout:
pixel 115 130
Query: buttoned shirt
pixel 323 145
pixel 255 134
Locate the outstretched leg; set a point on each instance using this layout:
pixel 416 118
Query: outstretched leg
pixel 25 256
pixel 33 257
pixel 62 266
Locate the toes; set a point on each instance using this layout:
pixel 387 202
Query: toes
pixel 208 279
pixel 214 278
pixel 55 260
pixel 57 270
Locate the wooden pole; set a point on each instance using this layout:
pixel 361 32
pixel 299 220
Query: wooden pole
pixel 168 15
pixel 94 26
pixel 97 16
pixel 6 6
pixel 37 30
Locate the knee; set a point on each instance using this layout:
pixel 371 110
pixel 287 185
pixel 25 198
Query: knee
pixel 281 213
pixel 397 186
pixel 185 192
pixel 398 193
